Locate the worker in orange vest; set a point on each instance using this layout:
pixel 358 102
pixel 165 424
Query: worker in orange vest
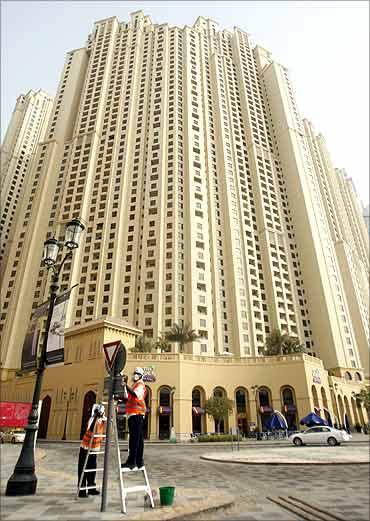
pixel 135 410
pixel 97 419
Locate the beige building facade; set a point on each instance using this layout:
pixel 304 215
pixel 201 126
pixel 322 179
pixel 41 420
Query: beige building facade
pixel 178 385
pixel 26 129
pixel 207 200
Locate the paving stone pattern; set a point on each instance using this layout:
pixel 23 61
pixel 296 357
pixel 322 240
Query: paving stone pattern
pixel 340 489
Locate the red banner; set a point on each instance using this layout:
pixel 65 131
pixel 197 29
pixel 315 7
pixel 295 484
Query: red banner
pixel 14 414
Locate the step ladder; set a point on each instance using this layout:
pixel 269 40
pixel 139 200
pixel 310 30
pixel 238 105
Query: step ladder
pixel 123 490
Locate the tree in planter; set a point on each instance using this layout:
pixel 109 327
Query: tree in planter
pixel 163 344
pixel 278 343
pixel 182 334
pixel 143 344
pixel 218 407
pixel 364 397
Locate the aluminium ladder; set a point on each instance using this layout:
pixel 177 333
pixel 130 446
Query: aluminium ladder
pixel 123 490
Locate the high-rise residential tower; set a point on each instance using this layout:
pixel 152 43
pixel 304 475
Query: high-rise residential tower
pixel 366 213
pixel 26 128
pixel 207 199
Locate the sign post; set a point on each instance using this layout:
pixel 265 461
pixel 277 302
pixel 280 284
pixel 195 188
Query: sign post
pixel 115 354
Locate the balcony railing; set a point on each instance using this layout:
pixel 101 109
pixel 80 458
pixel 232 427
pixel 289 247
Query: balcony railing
pixel 219 359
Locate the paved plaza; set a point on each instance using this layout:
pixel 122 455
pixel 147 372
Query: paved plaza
pixel 291 455
pixel 204 489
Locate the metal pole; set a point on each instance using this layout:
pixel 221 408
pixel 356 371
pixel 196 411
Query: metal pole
pixel 64 437
pixel 23 481
pixel 108 431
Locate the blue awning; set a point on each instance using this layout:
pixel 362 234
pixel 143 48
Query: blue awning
pixel 313 419
pixel 275 422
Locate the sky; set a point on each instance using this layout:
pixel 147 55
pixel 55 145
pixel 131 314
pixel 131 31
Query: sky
pixel 324 44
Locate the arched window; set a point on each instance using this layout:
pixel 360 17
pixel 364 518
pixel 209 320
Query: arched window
pixel 164 397
pixel 241 400
pixel 44 417
pixel 358 377
pixel 264 398
pixel 196 398
pixel 219 391
pixel 347 376
pixel 315 400
pixel 165 419
pixel 288 398
pixel 197 412
pixel 89 401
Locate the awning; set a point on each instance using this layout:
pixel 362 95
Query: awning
pixel 290 408
pixel 276 422
pixel 198 411
pixel 265 408
pixel 312 419
pixel 164 410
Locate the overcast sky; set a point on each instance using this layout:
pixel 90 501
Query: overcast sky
pixel 325 45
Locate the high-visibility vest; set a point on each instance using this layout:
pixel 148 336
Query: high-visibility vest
pixel 135 405
pixel 96 442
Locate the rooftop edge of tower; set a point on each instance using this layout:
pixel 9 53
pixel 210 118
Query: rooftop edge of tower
pixel 106 20
pixel 201 20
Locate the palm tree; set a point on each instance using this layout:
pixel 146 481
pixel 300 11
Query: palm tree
pixel 163 344
pixel 293 345
pixel 182 334
pixel 274 343
pixel 143 344
pixel 278 343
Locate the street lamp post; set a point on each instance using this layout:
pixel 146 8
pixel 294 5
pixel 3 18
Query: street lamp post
pixel 255 389
pixel 172 392
pixel 23 481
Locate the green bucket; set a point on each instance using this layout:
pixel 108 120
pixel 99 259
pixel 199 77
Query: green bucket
pixel 166 494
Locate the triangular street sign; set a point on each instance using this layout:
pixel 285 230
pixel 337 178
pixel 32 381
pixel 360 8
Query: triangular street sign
pixel 110 351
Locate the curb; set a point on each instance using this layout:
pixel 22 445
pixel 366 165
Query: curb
pixel 217 460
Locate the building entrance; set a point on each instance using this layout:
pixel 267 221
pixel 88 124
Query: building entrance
pixel 44 417
pixel 164 426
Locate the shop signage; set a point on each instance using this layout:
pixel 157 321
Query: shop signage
pixel 316 377
pixel 14 414
pixel 149 374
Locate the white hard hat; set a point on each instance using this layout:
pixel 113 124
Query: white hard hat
pixel 98 409
pixel 139 370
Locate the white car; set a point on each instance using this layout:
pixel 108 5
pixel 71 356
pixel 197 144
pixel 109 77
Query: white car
pixel 320 435
pixel 14 436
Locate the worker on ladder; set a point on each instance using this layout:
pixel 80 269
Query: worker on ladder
pixel 96 424
pixel 135 410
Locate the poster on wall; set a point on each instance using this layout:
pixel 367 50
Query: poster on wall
pixel 55 347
